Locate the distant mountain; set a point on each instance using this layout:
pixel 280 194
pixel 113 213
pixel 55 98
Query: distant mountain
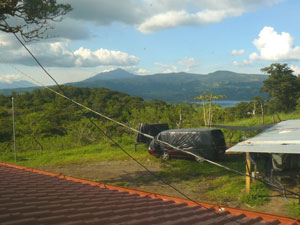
pixel 179 87
pixel 16 84
pixel 114 74
pixel 173 87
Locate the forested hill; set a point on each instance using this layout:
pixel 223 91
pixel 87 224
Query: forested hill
pixel 179 87
pixel 45 120
pixel 173 87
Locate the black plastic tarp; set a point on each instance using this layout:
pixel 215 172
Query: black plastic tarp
pixel 208 143
pixel 151 129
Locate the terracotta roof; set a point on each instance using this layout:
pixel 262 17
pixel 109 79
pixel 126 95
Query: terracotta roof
pixel 30 196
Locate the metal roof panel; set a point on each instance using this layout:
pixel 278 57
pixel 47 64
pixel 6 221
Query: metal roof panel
pixel 283 137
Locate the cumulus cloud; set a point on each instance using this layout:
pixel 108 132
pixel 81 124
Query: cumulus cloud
pixel 237 52
pixel 185 65
pixel 166 67
pixel 9 78
pixel 59 54
pixel 296 69
pixel 6 41
pixel 86 57
pixel 188 63
pixel 273 46
pixel 154 15
pixel 142 71
pixel 69 29
pixel 171 19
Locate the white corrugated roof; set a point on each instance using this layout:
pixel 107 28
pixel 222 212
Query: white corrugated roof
pixel 283 137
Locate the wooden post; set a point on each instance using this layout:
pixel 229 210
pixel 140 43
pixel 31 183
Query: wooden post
pixel 262 113
pixel 248 172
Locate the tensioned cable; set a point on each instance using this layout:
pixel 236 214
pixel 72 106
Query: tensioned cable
pixel 149 136
pixel 130 128
pixel 119 146
pixel 110 138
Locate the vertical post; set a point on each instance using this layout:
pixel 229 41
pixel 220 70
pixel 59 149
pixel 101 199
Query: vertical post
pixel 248 172
pixel 14 130
pixel 179 124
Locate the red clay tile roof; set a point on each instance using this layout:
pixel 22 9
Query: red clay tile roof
pixel 30 196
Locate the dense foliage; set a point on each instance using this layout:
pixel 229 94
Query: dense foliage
pixel 45 120
pixel 31 17
pixel 282 86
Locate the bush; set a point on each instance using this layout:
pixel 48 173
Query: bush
pixel 258 195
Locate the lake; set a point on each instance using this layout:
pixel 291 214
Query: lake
pixel 228 103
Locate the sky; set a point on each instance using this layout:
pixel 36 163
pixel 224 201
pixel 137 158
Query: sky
pixel 159 36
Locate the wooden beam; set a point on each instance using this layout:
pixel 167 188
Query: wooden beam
pixel 248 172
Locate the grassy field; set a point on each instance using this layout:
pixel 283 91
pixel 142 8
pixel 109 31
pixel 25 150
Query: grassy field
pixel 200 181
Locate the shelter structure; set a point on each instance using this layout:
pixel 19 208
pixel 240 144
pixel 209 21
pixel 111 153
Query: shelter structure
pixel 279 140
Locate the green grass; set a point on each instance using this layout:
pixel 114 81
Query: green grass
pixel 103 151
pixel 294 209
pixel 258 195
pixel 220 185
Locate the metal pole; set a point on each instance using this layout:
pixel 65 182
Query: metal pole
pixel 14 130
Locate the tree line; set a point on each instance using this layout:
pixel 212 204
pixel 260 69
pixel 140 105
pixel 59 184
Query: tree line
pixel 44 119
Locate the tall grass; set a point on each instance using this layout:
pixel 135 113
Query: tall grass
pixel 102 151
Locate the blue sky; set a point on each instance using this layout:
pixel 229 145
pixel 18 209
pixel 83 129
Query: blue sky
pixel 159 36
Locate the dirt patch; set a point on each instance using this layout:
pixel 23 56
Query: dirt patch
pixel 129 174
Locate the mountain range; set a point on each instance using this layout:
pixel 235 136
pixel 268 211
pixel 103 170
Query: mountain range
pixel 16 84
pixel 179 87
pixel 175 87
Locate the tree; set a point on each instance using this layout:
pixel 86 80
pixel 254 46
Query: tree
pixel 207 108
pixel 282 87
pixel 259 100
pixel 30 17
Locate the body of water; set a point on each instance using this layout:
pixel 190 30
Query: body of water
pixel 228 103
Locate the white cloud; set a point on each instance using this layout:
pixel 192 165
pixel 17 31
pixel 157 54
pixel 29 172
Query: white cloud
pixel 183 65
pixel 235 63
pixel 273 46
pixel 154 15
pixel 59 54
pixel 172 19
pixel 188 63
pixel 86 57
pixel 296 69
pixel 167 68
pixel 9 78
pixel 141 71
pixel 237 52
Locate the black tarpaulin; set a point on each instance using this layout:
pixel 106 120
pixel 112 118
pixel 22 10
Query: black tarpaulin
pixel 151 129
pixel 208 143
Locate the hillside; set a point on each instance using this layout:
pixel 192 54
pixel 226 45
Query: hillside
pixel 114 74
pixel 173 87
pixel 179 87
pixel 16 84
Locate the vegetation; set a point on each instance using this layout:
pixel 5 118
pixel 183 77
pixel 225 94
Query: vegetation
pixel 52 131
pixel 282 86
pixel 259 195
pixel 47 121
pixel 32 16
pixel 294 209
pixel 175 87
